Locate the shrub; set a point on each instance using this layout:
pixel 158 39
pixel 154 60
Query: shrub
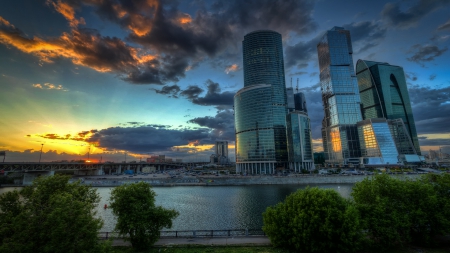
pixel 314 220
pixel 138 218
pixel 51 215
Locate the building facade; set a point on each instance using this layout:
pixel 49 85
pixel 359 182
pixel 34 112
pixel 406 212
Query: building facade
pixel 384 94
pixel 340 98
pixel 221 153
pixel 377 144
pixel 261 106
pixel 299 141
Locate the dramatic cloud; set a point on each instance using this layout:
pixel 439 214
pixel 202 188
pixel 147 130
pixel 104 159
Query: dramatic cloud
pixel 445 26
pixel 314 105
pixel 392 14
pixel 213 97
pixel 169 41
pixel 169 90
pixel 146 138
pixel 431 107
pixel 222 125
pixel 425 53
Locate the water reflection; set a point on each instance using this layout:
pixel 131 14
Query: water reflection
pixel 218 207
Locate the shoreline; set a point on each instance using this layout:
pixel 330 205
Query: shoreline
pixel 114 181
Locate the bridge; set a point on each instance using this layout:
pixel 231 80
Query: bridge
pixel 31 170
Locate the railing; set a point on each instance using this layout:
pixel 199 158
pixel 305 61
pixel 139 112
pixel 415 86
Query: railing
pixel 195 233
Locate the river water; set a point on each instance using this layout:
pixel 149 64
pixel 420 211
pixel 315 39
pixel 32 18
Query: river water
pixel 216 207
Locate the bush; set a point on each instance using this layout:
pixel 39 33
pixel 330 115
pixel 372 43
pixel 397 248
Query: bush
pixel 399 212
pixel 314 220
pixel 51 215
pixel 138 219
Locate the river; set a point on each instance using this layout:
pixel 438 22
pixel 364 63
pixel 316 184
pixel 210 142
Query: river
pixel 216 207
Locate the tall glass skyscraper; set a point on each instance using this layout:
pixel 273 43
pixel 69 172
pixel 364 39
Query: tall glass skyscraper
pixel 260 107
pixel 384 94
pixel 340 97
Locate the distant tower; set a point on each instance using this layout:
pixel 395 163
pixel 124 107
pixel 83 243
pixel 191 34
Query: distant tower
pixel 384 94
pixel 340 97
pixel 261 107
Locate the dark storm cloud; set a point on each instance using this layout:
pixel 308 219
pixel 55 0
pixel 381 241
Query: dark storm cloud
pixel 422 54
pixel 169 90
pixel 180 41
pixel 222 125
pixel 192 92
pixel 213 97
pixel 431 109
pixel 445 26
pixel 146 138
pixel 392 14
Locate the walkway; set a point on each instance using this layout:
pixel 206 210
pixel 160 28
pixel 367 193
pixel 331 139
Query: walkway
pixel 211 241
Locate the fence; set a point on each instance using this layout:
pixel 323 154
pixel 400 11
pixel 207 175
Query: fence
pixel 196 233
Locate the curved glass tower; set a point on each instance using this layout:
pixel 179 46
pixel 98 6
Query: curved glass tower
pixel 260 107
pixel 384 94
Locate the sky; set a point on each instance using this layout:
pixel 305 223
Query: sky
pixel 121 80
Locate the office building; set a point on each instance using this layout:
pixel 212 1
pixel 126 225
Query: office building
pixel 221 153
pixel 376 142
pixel 299 141
pixel 260 107
pixel 340 98
pixel 300 102
pixel 384 94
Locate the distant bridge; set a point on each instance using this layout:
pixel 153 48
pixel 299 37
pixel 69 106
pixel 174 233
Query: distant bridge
pixel 32 170
pixel 105 167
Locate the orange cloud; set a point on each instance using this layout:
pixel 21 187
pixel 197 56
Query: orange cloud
pixel 231 68
pixel 67 11
pixel 184 18
pixel 49 86
pixel 86 48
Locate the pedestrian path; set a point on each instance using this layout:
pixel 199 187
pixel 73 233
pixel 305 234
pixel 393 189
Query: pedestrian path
pixel 211 241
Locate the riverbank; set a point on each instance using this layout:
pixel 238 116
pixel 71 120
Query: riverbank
pixel 113 181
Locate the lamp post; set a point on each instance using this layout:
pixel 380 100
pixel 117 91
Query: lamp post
pixel 40 155
pixel 89 151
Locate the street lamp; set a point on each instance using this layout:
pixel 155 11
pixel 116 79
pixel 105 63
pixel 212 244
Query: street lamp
pixel 40 155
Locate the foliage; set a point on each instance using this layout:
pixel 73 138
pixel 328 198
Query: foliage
pixel 314 220
pixel 206 249
pixel 51 215
pixel 398 212
pixel 138 218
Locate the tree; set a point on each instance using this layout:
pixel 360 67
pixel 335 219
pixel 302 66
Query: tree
pixel 51 215
pixel 314 220
pixel 399 212
pixel 139 220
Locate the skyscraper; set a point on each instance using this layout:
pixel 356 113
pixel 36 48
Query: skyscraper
pixel 384 94
pixel 340 97
pixel 260 107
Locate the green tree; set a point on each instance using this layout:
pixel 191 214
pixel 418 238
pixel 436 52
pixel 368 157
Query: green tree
pixel 399 212
pixel 139 220
pixel 314 220
pixel 51 215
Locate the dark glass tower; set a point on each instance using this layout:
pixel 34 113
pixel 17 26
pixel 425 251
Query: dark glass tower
pixel 260 107
pixel 340 97
pixel 384 94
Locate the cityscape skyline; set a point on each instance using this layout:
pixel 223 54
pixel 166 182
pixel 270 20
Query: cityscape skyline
pixel 108 80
